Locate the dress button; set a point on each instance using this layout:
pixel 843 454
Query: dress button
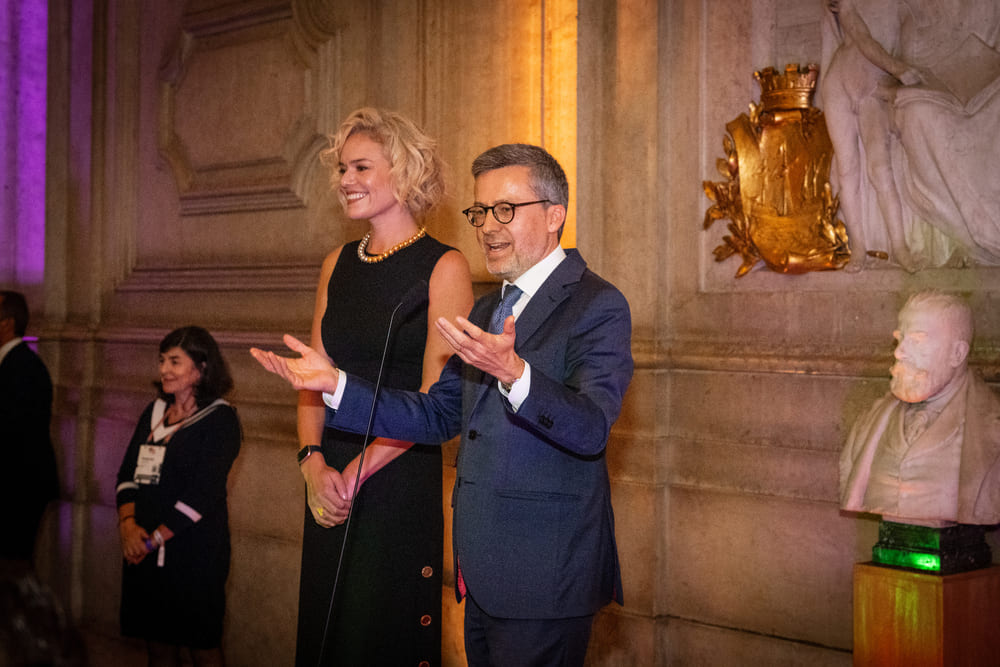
pixel 427 572
pixel 425 620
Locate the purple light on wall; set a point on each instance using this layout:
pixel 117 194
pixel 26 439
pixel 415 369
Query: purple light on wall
pixel 23 62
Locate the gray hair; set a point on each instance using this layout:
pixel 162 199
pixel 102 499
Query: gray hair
pixel 548 179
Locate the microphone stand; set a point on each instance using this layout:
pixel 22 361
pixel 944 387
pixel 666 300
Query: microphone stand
pixel 414 295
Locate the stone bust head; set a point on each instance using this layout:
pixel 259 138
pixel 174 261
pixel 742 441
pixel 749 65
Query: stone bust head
pixel 933 338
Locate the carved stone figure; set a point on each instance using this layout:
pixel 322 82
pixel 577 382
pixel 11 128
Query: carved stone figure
pixel 912 99
pixel 928 452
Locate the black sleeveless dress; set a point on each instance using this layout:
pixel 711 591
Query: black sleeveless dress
pixel 387 608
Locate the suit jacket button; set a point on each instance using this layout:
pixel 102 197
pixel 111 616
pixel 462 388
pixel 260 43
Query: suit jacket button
pixel 427 572
pixel 425 620
pixel 423 663
pixel 473 435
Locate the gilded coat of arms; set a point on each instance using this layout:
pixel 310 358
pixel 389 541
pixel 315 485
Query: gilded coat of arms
pixel 777 192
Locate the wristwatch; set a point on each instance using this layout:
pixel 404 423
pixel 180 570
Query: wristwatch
pixel 307 451
pixel 507 386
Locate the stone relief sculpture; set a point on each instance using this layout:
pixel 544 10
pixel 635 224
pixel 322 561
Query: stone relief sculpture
pixel 912 99
pixel 928 452
pixel 777 194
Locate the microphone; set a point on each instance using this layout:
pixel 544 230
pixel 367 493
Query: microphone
pixel 415 296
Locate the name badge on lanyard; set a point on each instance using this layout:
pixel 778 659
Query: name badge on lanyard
pixel 149 464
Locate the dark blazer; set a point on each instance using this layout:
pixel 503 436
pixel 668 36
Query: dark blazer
pixel 533 524
pixel 28 477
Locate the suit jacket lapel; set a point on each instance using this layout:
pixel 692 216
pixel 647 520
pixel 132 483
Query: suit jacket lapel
pixel 548 297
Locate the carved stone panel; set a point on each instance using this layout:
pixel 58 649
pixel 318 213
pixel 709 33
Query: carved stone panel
pixel 237 110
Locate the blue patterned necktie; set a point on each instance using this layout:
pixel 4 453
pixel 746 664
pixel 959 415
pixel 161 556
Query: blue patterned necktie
pixel 505 308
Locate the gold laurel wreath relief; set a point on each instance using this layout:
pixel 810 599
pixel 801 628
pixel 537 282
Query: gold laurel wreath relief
pixel 776 193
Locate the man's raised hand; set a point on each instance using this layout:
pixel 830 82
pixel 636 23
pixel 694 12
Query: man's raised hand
pixel 310 371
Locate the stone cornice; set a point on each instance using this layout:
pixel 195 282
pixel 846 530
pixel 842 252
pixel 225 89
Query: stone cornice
pixel 290 277
pixel 862 359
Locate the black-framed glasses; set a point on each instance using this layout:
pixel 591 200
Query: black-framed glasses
pixel 503 212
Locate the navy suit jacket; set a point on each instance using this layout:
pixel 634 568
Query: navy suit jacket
pixel 533 527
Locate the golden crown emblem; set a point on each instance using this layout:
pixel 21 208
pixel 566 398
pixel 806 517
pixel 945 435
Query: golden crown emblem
pixel 777 194
pixel 791 89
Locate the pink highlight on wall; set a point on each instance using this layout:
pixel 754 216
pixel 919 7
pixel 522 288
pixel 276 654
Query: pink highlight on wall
pixel 23 62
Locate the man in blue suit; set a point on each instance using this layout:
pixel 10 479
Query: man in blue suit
pixel 534 397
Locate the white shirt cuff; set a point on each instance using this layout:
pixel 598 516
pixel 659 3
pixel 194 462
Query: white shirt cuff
pixel 519 388
pixel 333 400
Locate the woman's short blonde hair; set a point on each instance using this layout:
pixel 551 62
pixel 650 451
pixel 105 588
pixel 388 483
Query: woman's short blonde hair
pixel 417 172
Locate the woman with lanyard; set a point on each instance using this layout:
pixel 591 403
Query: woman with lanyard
pixel 173 516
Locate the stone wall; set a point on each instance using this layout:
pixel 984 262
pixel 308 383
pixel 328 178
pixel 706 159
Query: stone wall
pixel 184 188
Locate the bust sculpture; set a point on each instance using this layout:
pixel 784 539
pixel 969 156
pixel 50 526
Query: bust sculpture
pixel 928 452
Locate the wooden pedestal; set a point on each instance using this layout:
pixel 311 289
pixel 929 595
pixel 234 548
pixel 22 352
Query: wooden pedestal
pixel 917 619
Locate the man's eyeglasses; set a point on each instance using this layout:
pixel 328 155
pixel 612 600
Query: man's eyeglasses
pixel 503 212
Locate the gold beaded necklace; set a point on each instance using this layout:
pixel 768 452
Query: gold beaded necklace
pixel 374 259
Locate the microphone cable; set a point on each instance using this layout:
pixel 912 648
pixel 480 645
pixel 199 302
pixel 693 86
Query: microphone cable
pixel 415 295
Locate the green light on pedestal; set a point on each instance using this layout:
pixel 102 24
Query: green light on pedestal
pixel 914 560
pixel 945 550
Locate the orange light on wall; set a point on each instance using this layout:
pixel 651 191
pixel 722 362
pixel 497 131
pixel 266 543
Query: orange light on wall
pixel 559 27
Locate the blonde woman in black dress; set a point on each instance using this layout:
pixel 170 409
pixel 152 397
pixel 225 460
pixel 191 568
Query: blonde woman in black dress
pixel 386 609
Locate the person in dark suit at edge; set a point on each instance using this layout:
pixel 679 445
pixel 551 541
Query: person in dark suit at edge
pixel 534 402
pixel 28 475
